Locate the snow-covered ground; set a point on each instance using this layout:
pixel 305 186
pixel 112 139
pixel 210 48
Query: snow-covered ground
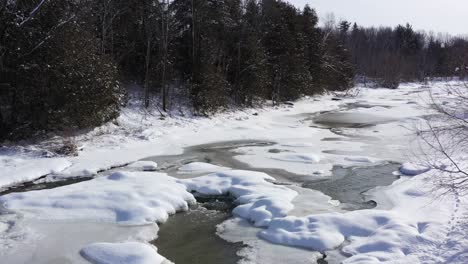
pixel 412 223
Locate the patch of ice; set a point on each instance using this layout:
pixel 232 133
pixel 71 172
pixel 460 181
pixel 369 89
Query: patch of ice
pixel 200 167
pixel 360 159
pixel 123 197
pixel 351 118
pixel 412 169
pixel 298 145
pixel 143 165
pixel 260 200
pixel 259 251
pixel 299 157
pixel 128 253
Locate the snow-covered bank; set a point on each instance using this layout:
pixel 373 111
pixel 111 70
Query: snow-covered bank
pixel 132 198
pixel 18 169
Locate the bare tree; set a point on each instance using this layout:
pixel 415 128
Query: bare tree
pixel 446 135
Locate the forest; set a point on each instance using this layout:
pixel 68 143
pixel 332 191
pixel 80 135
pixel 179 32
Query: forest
pixel 66 64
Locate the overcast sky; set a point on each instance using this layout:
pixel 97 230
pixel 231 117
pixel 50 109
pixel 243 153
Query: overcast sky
pixel 446 16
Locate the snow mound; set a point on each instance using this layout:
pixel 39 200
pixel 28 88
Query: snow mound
pixel 200 167
pixel 378 233
pixel 299 157
pixel 132 198
pixel 260 200
pixel 143 165
pixel 21 170
pixel 413 169
pixel 116 253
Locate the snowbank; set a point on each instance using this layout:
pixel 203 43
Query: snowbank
pixel 124 253
pixel 27 169
pixel 260 200
pixel 124 197
pixel 329 231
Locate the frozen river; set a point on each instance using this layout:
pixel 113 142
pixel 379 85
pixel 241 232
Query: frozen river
pixel 297 184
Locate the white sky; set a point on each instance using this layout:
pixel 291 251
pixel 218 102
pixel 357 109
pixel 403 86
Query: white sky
pixel 445 16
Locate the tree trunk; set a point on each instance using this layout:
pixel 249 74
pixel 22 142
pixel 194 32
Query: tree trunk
pixel 148 54
pixel 194 67
pixel 165 30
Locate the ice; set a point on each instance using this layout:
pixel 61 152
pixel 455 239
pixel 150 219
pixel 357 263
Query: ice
pixel 143 165
pixel 360 159
pixel 122 253
pixel 200 167
pixel 351 119
pixel 299 157
pixel 258 251
pixel 259 200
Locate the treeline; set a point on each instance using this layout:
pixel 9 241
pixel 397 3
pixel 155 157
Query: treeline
pixel 64 63
pixel 393 55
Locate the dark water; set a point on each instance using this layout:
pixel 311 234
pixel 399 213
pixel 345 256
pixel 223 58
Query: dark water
pixel 349 120
pixel 190 237
pixel 38 185
pixel 348 185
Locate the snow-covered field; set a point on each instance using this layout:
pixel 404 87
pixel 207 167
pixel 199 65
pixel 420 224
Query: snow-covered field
pixel 118 214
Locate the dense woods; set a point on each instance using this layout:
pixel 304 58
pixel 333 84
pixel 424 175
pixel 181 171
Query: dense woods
pixel 64 64
pixel 392 55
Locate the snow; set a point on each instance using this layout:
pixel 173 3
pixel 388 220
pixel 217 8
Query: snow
pixel 412 169
pixel 200 167
pixel 131 198
pixel 143 165
pixel 122 253
pixel 260 200
pixel 49 241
